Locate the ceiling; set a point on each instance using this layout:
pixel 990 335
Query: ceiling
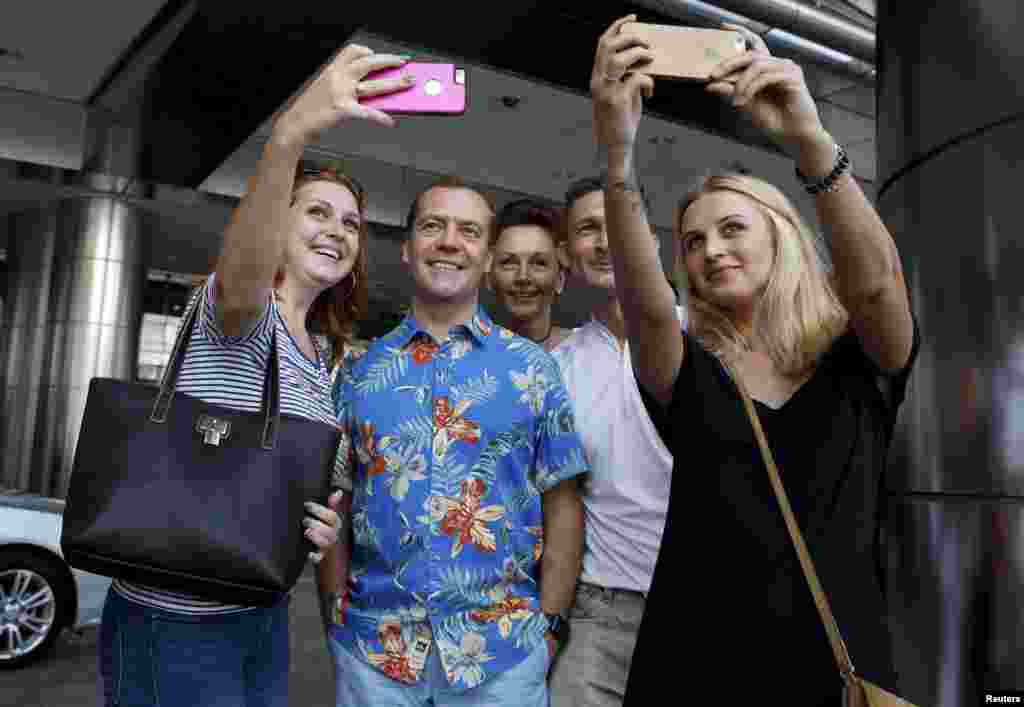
pixel 206 76
pixel 62 51
pixel 220 74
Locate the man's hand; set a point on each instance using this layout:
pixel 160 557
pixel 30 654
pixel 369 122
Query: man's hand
pixel 323 527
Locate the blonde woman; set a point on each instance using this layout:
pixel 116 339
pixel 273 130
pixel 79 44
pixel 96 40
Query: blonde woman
pixel 826 355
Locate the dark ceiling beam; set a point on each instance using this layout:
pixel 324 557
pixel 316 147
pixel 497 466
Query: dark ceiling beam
pixel 236 62
pixel 553 41
pixel 231 67
pixel 135 50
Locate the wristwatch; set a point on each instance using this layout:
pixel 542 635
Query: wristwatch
pixel 558 626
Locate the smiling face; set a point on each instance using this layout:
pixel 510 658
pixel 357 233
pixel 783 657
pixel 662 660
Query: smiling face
pixel 526 275
pixel 448 250
pixel 728 249
pixel 587 248
pixel 324 244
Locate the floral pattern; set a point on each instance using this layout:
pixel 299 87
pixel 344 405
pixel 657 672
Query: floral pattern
pixel 464 520
pixel 369 457
pixel 421 350
pixel 449 448
pixel 537 531
pixel 449 426
pixel 503 612
pixel 465 660
pixel 534 386
pixel 406 465
pixel 394 661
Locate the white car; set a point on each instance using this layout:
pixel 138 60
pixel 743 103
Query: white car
pixel 40 595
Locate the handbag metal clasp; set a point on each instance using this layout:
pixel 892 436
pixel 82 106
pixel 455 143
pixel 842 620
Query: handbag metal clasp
pixel 213 429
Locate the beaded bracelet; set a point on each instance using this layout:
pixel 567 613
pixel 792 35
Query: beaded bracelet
pixel 830 182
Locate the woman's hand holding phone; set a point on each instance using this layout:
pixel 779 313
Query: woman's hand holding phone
pixel 440 89
pixel 773 93
pixel 333 96
pixel 618 92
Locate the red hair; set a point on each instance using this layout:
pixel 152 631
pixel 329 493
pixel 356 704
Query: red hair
pixel 336 310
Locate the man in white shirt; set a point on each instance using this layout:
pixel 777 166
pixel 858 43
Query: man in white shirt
pixel 626 492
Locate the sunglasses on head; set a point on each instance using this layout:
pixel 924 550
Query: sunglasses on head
pixel 332 174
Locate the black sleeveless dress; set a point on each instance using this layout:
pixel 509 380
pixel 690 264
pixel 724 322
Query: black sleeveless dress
pixel 729 612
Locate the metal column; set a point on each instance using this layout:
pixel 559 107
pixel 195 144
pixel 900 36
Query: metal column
pixel 78 272
pixel 99 274
pixel 30 262
pixel 951 149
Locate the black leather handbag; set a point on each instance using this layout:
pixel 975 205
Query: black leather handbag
pixel 186 496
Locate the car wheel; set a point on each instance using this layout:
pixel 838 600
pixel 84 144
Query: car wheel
pixel 34 596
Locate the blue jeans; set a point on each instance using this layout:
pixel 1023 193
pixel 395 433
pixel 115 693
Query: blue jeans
pixel 155 658
pixel 360 684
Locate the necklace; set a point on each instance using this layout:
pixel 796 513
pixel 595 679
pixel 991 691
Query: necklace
pixel 285 319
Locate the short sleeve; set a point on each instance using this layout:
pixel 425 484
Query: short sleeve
pixel 343 365
pixel 694 380
pixel 658 413
pixel 847 353
pixel 559 451
pixel 210 327
pixel 344 461
pixel 894 385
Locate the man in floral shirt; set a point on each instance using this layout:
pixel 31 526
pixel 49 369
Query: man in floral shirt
pixel 462 457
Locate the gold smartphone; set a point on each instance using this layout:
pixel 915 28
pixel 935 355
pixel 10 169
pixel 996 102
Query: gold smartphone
pixel 685 53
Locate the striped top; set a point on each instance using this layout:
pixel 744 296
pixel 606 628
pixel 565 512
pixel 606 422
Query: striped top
pixel 229 371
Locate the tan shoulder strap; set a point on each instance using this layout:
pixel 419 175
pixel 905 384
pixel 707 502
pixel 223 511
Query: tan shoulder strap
pixel 824 610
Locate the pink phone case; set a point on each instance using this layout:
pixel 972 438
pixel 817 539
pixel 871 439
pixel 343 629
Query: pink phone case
pixel 439 89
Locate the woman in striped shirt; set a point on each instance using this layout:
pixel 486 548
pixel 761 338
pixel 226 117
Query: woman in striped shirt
pixel 293 258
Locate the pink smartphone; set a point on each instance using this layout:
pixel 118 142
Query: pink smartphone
pixel 440 89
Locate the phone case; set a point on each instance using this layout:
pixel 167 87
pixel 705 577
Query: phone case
pixel 687 53
pixel 440 89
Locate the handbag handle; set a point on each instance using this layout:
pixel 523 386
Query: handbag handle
pixel 828 619
pixel 270 403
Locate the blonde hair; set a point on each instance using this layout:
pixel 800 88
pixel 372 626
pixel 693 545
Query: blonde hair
pixel 798 315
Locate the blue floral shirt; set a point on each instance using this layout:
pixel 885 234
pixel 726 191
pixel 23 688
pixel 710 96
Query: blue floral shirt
pixel 448 450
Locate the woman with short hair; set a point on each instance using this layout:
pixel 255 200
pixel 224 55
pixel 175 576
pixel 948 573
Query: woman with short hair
pixel 526 273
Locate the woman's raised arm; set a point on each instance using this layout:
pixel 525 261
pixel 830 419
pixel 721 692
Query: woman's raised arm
pixel 648 303
pixel 254 241
pixel 772 92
